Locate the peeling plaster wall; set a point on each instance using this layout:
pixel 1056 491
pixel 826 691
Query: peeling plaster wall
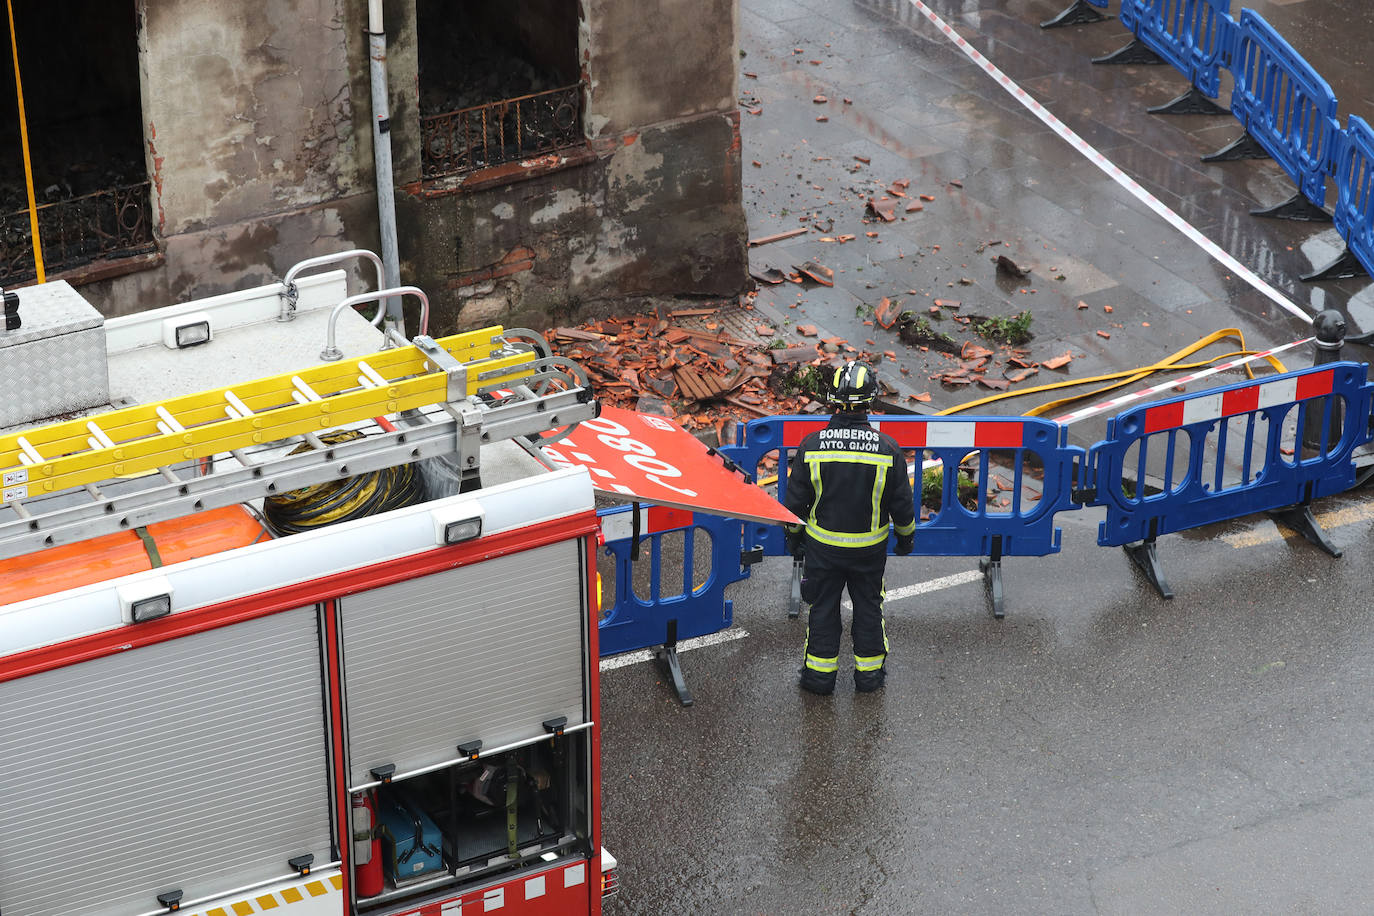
pixel 258 135
pixel 256 123
pixel 658 215
pixel 658 60
pixel 245 254
pixel 248 109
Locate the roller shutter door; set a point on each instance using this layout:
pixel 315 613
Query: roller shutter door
pixel 487 651
pixel 197 763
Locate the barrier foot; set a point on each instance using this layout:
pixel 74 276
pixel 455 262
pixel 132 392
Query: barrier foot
pixel 794 599
pixel 666 656
pixel 1081 13
pixel 1143 555
pixel 992 575
pixel 1134 53
pixel 1245 147
pixel 1191 102
pixel 1297 208
pixel 1344 267
pixel 1300 519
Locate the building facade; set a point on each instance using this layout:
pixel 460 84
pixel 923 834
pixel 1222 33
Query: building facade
pixel 551 158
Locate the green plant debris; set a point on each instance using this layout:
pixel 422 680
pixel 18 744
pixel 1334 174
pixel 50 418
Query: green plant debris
pixel 1010 330
pixel 933 490
pixel 789 381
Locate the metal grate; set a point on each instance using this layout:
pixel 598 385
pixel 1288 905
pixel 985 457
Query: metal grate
pixel 506 131
pixel 113 223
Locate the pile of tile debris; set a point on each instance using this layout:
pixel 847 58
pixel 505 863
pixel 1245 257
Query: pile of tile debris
pixel 687 365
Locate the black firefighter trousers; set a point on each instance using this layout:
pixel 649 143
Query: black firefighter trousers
pixel 829 571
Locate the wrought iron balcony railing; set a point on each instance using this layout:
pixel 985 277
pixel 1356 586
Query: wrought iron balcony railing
pixel 507 131
pixel 114 223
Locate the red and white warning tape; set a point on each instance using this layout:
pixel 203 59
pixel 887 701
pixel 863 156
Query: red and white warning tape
pixel 1239 401
pixel 1109 167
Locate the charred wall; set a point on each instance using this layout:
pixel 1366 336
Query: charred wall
pixel 255 134
pixel 656 215
pixel 255 122
pixel 648 207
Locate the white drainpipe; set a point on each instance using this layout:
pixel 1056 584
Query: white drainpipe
pixel 381 155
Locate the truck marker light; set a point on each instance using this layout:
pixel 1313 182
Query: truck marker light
pixel 186 331
pixel 457 532
pixel 457 523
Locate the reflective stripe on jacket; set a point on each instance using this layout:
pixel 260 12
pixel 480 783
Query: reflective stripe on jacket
pixel 848 481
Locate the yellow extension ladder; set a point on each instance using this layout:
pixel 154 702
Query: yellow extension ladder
pixel 433 383
pixel 140 439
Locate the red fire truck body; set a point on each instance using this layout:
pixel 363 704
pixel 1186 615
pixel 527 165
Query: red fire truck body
pixel 393 714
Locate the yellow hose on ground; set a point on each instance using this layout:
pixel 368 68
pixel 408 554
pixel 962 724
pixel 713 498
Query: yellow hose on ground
pixel 1118 379
pixel 1124 377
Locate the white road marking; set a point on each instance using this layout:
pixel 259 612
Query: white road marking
pixel 921 588
pixel 1110 168
pixel 686 645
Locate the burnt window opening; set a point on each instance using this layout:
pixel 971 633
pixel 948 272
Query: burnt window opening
pixel 79 72
pixel 499 82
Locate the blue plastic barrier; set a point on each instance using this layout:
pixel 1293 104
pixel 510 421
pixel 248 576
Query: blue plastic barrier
pixel 1022 527
pixel 671 610
pixel 1080 12
pixel 1284 105
pixel 1354 211
pixel 1196 36
pixel 1246 476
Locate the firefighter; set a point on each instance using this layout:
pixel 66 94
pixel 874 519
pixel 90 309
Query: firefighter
pixel 847 482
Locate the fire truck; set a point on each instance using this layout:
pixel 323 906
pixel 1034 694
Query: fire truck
pixel 293 616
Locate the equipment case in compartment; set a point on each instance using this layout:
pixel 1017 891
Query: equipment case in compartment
pixel 411 842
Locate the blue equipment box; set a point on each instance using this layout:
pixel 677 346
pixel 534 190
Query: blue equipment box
pixel 411 844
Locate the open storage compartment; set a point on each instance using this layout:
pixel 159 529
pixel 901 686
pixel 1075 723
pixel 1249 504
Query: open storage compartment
pixel 471 821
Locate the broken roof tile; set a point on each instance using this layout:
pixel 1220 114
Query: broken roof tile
pixel 884 208
pixel 818 272
pixel 798 354
pixel 886 313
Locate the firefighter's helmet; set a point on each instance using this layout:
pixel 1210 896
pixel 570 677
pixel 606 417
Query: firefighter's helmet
pixel 853 387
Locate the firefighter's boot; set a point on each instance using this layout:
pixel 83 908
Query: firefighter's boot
pixel 822 684
pixel 869 681
pixel 818 671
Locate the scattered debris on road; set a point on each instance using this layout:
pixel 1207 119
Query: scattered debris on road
pixel 1010 268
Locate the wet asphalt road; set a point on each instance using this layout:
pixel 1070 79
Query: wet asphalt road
pixel 1100 750
pixel 1097 751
